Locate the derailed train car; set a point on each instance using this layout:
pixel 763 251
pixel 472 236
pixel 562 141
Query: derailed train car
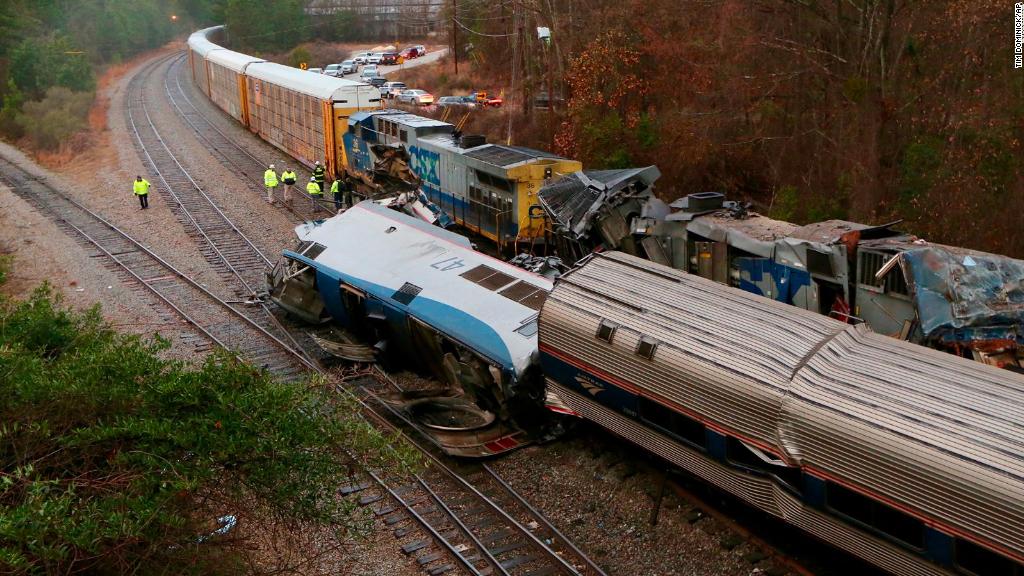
pixel 423 296
pixel 961 301
pixel 489 189
pixel 907 457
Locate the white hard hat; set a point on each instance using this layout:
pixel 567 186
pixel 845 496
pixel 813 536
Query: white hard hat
pixel 312 178
pixel 271 166
pixel 317 162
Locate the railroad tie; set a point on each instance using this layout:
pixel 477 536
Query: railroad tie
pixel 414 546
pixel 508 547
pixel 428 558
pixel 440 570
pixel 508 564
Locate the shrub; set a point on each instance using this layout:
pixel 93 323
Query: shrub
pixel 113 460
pixel 55 118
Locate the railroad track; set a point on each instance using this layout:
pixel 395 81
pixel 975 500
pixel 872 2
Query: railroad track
pixel 218 322
pixel 438 549
pixel 246 165
pixel 493 528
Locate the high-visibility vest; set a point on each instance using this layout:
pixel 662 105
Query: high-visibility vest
pixel 270 178
pixel 140 187
pixel 334 187
pixel 314 189
pixel 288 176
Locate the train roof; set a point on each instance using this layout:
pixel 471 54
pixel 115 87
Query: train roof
pixel 199 41
pixel 508 156
pixel 232 60
pixel 911 424
pixel 436 276
pixel 320 86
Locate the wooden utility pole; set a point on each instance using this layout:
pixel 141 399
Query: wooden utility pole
pixel 455 34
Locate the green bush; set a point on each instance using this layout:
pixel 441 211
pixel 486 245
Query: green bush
pixel 114 460
pixel 299 55
pixel 55 118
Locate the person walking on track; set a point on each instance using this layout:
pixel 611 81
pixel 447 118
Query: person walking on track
pixel 141 189
pixel 288 177
pixel 270 180
pixel 316 193
pixel 318 175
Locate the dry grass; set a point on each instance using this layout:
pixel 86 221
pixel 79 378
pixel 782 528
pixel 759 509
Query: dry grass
pixel 88 146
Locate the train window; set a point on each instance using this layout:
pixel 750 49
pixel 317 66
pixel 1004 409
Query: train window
pixel 884 519
pixel 677 425
pixel 645 347
pixel 529 329
pixel 819 263
pixel 970 558
pixel 606 331
pixel 741 455
pixel 403 135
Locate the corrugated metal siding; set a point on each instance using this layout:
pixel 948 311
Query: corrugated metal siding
pixel 757 491
pixel 933 434
pixel 708 361
pixel 199 72
pixel 224 90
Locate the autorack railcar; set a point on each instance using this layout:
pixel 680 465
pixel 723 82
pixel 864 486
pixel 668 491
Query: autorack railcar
pixel 490 189
pixel 300 112
pixel 910 458
pixel 423 295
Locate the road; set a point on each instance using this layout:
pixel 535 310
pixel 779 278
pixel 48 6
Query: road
pixel 429 58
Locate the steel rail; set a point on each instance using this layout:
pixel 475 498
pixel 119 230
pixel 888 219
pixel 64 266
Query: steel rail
pixel 223 218
pixel 258 165
pixel 47 205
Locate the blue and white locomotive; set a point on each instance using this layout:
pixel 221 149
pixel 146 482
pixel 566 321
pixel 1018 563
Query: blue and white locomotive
pixel 424 296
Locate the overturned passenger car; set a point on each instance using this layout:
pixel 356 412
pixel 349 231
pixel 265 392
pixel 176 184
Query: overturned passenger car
pixel 424 298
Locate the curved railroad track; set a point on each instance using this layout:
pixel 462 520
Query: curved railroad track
pixel 218 321
pixel 246 165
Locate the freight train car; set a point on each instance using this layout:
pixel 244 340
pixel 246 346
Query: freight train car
pixel 490 189
pixel 227 82
pixel 910 458
pixel 302 113
pixel 199 46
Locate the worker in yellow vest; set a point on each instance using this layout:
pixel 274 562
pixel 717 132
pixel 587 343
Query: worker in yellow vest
pixel 141 189
pixel 315 193
pixel 289 178
pixel 270 180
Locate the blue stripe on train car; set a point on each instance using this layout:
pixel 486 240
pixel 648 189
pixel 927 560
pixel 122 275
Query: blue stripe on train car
pixel 453 322
pixel 588 385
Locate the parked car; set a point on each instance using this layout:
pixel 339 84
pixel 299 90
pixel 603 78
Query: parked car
pixel 409 53
pixel 333 70
pixel 391 58
pixel 368 71
pixel 416 97
pixel 317 70
pixel 457 101
pixel 376 81
pixel 374 57
pixel 483 99
pixel 361 57
pixel 349 67
pixel 391 89
pixel 420 49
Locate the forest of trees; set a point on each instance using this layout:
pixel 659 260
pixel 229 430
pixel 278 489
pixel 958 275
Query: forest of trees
pixel 871 110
